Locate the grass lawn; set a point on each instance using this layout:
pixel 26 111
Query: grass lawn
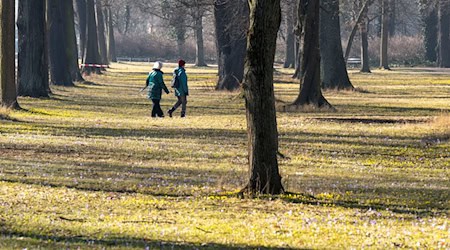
pixel 88 168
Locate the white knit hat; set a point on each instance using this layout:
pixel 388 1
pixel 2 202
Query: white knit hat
pixel 157 65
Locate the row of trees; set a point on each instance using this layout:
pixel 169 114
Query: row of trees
pixel 47 45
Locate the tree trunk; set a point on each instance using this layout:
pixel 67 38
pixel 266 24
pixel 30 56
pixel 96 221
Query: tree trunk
pixel 81 10
pixel 289 58
pixel 363 26
pixel 92 55
pixel 310 89
pixel 71 40
pixel 231 22
pixel 111 45
pixel 60 73
pixel 8 94
pixel 334 70
pixel 392 17
pixel 430 22
pixel 101 32
pixel 384 35
pixel 32 72
pixel 443 39
pixel 200 52
pixel 355 28
pixel 260 100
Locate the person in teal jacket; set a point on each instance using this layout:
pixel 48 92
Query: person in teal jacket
pixel 155 84
pixel 182 91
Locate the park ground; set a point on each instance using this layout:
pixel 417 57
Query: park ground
pixel 89 169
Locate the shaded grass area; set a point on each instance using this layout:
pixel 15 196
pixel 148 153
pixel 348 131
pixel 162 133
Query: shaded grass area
pixel 89 168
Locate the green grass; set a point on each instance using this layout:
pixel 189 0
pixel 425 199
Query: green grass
pixel 88 168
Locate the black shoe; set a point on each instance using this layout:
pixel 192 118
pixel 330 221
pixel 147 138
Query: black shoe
pixel 183 115
pixel 170 112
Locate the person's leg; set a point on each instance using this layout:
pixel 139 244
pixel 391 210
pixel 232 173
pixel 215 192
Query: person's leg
pixel 175 106
pixel 183 105
pixel 154 108
pixel 158 111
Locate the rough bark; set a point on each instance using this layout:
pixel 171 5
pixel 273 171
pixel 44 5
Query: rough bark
pixel 8 94
pixel 260 100
pixel 231 23
pixel 443 34
pixel 334 70
pixel 384 64
pixel 32 71
pixel 92 55
pixel 60 73
pixel 101 32
pixel 71 40
pixel 310 89
pixel 363 30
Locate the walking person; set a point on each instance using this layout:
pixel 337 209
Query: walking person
pixel 181 89
pixel 155 84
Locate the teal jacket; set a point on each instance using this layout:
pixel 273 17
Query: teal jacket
pixel 155 84
pixel 182 90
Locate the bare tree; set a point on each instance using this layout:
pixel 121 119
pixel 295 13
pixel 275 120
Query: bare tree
pixel 32 71
pixel 8 94
pixel 231 21
pixel 260 101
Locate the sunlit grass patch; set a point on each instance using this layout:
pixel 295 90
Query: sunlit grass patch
pixel 90 168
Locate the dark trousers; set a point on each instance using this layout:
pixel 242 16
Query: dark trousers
pixel 156 110
pixel 182 100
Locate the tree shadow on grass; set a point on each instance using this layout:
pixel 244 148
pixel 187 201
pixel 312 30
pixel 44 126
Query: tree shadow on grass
pixel 58 242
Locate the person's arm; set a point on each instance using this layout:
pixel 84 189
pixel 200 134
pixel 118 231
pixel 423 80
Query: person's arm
pixel 161 81
pixel 184 86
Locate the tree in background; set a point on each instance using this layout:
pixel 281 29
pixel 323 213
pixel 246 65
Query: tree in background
pixel 363 31
pixel 101 32
pixel 333 67
pixel 8 94
pixel 60 73
pixel 231 21
pixel 82 25
pixel 443 33
pixel 260 100
pixel 308 23
pixel 71 40
pixel 384 64
pixel 111 41
pixel 428 11
pixel 91 54
pixel 32 71
pixel 289 19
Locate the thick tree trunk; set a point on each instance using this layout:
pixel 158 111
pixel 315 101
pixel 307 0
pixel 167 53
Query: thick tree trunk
pixel 101 32
pixel 334 71
pixel 289 58
pixel 260 100
pixel 231 21
pixel 32 72
pixel 365 63
pixel 384 35
pixel 81 10
pixel 111 45
pixel 60 73
pixel 200 52
pixel 8 94
pixel 92 55
pixel 310 89
pixel 443 37
pixel 430 21
pixel 71 41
